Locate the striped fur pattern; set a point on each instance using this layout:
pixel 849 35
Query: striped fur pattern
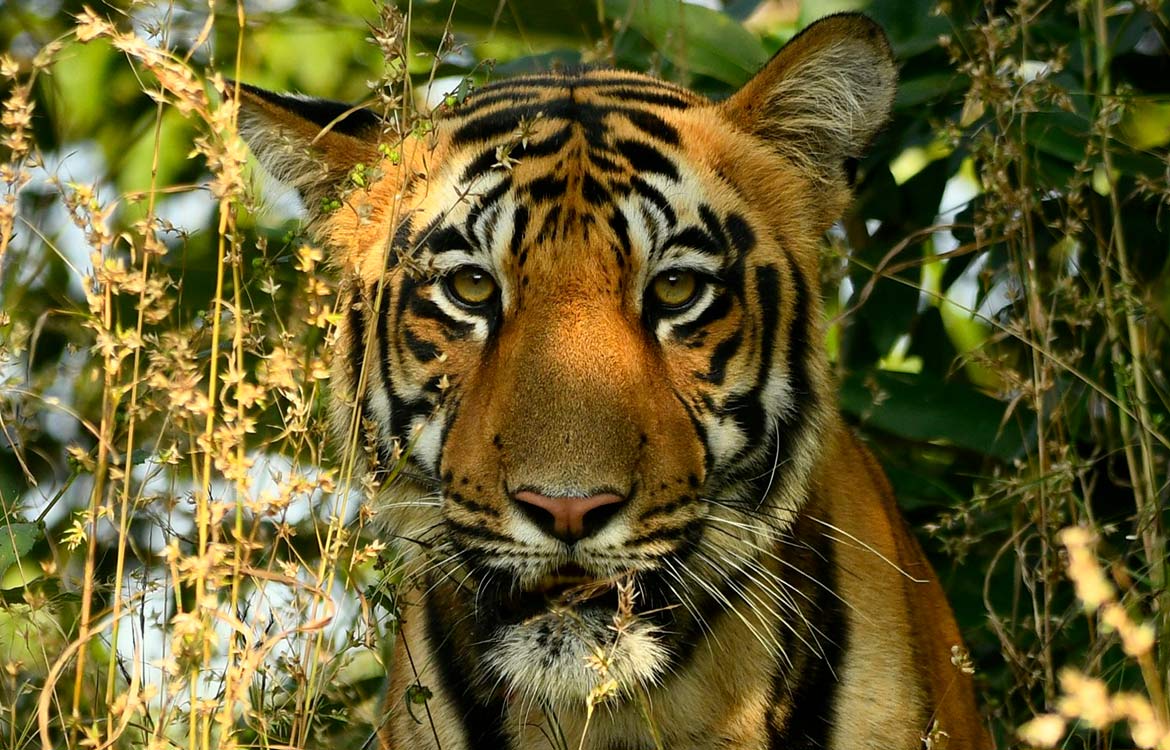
pixel 754 587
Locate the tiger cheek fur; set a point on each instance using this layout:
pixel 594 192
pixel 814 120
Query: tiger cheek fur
pixel 586 308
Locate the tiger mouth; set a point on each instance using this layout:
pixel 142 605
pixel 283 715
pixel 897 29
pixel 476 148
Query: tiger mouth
pixel 567 585
pixel 567 590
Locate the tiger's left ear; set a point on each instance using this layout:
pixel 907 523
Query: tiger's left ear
pixel 823 97
pixel 312 145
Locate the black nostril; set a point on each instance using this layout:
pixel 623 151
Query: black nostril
pixel 569 518
pixel 543 518
pixel 597 518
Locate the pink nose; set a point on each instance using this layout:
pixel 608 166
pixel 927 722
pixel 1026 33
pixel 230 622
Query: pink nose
pixel 569 518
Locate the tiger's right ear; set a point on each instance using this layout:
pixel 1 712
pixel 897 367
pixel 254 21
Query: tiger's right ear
pixel 312 145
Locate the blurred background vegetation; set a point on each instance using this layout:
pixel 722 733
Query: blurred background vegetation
pixel 184 558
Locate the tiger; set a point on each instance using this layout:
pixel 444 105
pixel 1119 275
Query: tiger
pixel 580 324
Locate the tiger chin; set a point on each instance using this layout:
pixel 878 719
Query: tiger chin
pixel 585 305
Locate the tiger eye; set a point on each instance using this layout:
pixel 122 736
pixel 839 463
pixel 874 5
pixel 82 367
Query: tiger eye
pixel 675 288
pixel 471 286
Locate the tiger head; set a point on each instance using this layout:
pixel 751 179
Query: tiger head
pixel 583 315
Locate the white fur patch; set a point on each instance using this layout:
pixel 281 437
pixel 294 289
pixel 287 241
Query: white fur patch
pixel 559 657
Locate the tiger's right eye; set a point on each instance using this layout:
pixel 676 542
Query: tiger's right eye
pixel 674 290
pixel 471 286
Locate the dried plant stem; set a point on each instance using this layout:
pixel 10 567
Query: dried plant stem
pixel 1141 469
pixel 101 471
pixel 124 509
pixel 201 729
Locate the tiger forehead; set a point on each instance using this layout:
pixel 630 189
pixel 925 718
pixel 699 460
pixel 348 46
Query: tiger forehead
pixel 600 122
pixel 551 158
pixel 492 110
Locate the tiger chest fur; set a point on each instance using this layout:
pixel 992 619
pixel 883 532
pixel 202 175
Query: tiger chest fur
pixel 586 307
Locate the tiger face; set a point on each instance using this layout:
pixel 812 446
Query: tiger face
pixel 583 315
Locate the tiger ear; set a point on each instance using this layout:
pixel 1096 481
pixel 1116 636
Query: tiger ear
pixel 312 145
pixel 823 97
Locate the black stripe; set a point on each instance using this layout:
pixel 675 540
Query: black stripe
pixel 476 532
pixel 593 191
pixel 743 239
pixel 506 120
pixel 799 343
pixel 811 686
pixel 746 409
pixel 724 351
pixel 580 79
pixel 400 245
pixel 433 386
pixel 717 310
pixel 483 724
pixel 696 239
pixel 546 146
pixel 488 159
pixel 655 196
pixel 529 80
pixel 453 329
pixel 446 240
pixel 699 427
pixel 519 228
pixel 661 99
pixel 781 443
pixel 482 99
pixel 449 414
pixel 621 230
pixel 548 227
pixel 692 528
pixel 486 229
pixel 627 87
pixel 601 160
pixel 480 165
pixel 645 158
pixel 631 81
pixel 714 226
pixel 357 354
pixel 321 112
pixel 423 351
pixel 546 188
pixel 484 204
pixel 652 125
pixel 666 508
pixel 402 412
pixel 357 336
pixel 493 124
pixel 473 505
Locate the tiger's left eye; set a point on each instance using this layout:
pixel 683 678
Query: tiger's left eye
pixel 472 286
pixel 676 289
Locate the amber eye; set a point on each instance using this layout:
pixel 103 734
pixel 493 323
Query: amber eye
pixel 675 289
pixel 471 285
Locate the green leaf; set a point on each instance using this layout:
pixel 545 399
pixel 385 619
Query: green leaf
pixel 696 39
pixel 1064 134
pixel 16 539
pixel 921 407
pixel 919 90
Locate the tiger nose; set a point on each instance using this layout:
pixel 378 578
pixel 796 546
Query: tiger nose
pixel 569 518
